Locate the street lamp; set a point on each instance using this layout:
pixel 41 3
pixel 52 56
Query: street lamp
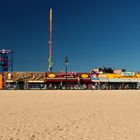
pixel 66 66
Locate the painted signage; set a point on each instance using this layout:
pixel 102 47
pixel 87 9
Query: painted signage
pixel 84 76
pixel 68 75
pixel 25 76
pixel 102 76
pixel 62 75
pixel 51 75
pixel 95 77
pixel 109 76
pixel 128 73
pixel 114 76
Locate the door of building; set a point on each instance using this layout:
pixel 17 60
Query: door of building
pixel 21 85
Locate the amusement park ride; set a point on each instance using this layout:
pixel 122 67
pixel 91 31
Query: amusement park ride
pixel 6 60
pixel 50 61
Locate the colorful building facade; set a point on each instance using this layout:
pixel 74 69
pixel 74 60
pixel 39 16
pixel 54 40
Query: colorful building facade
pixel 69 80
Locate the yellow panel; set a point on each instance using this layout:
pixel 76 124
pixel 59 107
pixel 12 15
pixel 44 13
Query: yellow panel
pixel 114 76
pixel 51 75
pixel 84 75
pixel 121 76
pixel 137 76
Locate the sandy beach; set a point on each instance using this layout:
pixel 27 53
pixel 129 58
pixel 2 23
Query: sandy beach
pixel 70 115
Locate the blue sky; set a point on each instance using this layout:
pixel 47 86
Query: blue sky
pixel 92 33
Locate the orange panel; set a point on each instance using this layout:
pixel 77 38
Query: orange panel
pixel 0 81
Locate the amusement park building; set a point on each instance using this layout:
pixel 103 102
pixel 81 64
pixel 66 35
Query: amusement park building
pixel 71 80
pixel 50 80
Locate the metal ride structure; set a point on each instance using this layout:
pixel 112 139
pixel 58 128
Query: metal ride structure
pixel 50 45
pixel 6 60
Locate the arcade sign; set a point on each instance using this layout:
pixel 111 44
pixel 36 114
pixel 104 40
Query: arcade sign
pixel 25 76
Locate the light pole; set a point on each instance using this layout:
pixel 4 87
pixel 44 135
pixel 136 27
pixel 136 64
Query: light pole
pixel 66 66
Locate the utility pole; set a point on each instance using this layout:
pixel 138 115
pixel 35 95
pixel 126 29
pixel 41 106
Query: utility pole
pixel 66 68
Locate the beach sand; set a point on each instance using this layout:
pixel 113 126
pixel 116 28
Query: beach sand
pixel 70 115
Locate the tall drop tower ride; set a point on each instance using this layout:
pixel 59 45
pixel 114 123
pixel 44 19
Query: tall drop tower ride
pixel 50 45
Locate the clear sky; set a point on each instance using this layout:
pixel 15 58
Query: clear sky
pixel 92 33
